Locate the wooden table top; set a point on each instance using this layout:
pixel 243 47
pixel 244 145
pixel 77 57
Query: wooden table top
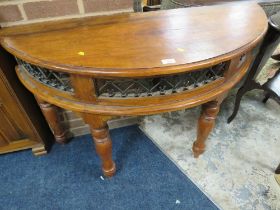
pixel 159 42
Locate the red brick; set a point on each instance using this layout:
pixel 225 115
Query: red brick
pixel 9 13
pixel 106 5
pixel 54 8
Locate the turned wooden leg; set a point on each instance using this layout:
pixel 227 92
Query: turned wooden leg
pixel 206 123
pixel 102 140
pixel 51 115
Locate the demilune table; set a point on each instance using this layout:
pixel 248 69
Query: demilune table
pixel 136 64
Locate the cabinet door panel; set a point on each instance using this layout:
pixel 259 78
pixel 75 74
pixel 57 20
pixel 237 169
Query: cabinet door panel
pixel 12 121
pixel 22 125
pixel 9 129
pixel 3 139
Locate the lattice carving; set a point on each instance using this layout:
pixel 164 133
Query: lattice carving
pixel 166 85
pixel 50 78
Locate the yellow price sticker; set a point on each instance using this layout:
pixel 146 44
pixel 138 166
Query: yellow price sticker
pixel 81 53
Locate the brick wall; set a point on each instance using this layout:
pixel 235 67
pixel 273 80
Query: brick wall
pixel 76 126
pixel 16 12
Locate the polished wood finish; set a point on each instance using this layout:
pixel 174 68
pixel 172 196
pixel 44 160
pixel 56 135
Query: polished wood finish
pixel 102 140
pixel 130 107
pixel 51 115
pixel 120 47
pixel 206 123
pixel 22 126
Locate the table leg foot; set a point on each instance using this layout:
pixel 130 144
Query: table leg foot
pixel 205 125
pixel 111 172
pixel 103 143
pixel 51 115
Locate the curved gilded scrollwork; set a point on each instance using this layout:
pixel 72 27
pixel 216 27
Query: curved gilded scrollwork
pixel 50 78
pixel 165 85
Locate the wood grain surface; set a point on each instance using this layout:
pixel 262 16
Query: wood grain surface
pixel 122 45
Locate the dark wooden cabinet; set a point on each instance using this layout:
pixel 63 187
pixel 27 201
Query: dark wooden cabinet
pixel 22 125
